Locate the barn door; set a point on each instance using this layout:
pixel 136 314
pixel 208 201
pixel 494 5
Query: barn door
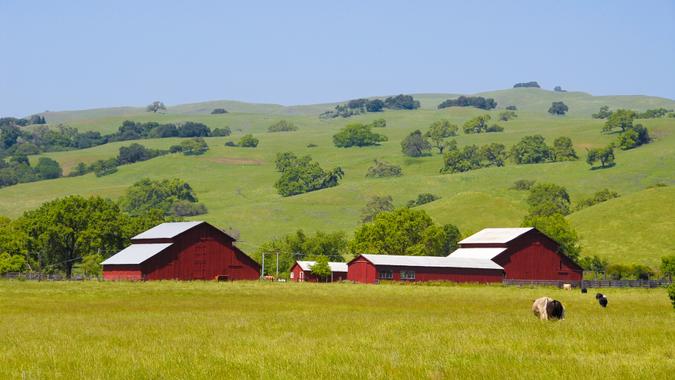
pixel 199 263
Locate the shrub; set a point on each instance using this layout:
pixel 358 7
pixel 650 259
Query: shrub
pixel 248 141
pixel 599 197
pixel 221 132
pixel 527 84
pixel 384 169
pixel 378 123
pixel 311 145
pixel 194 147
pixel 523 184
pixel 415 145
pixel 479 124
pixel 507 115
pixel 230 143
pixel 511 108
pixel 46 168
pixel 604 113
pixel 357 135
pixel 218 111
pixel 633 137
pixel 401 102
pixel 469 101
pixel 558 108
pixel 301 175
pixel 187 208
pixel 423 198
pixel 531 150
pixel 282 126
pixel 192 129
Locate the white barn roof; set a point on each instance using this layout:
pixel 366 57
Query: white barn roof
pixel 334 266
pixel 136 254
pixel 166 230
pixel 477 253
pixel 495 235
pixel 432 261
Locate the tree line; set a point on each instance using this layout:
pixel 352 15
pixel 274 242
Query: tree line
pixel 362 105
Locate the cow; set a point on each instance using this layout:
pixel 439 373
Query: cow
pixel 602 299
pixel 584 290
pixel 547 308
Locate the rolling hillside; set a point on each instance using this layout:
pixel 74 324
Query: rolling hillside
pixel 236 184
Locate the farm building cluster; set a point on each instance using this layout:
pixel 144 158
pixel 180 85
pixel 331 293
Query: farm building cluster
pixel 200 251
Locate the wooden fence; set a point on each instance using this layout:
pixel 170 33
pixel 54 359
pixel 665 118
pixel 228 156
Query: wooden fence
pixel 32 276
pixel 592 283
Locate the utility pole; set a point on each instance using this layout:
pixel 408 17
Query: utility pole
pixel 277 277
pixel 262 273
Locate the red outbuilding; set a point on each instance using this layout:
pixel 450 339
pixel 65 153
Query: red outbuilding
pixel 374 268
pixel 302 271
pixel 490 255
pixel 181 251
pixel 524 253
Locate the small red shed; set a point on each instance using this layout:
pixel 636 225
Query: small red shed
pixel 524 253
pixel 373 268
pixel 181 251
pixel 302 271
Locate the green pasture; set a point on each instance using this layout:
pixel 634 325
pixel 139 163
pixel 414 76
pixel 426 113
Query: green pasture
pixel 247 330
pixel 237 184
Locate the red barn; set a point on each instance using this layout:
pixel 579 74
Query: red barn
pixel 490 255
pixel 373 268
pixel 524 253
pixel 181 251
pixel 302 271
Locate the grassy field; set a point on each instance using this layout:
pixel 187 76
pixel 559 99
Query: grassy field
pixel 236 184
pixel 253 330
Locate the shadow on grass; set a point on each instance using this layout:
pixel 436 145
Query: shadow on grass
pixel 603 167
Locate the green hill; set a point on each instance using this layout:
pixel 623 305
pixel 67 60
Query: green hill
pixel 236 184
pixel 636 228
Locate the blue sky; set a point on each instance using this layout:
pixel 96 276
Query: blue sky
pixel 59 55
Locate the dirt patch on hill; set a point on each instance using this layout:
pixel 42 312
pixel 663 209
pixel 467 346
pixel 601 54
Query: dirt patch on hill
pixel 235 161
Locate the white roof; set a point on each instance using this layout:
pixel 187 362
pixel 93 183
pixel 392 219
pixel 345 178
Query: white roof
pixel 334 266
pixel 477 253
pixel 166 230
pixel 495 235
pixel 432 261
pixel 136 253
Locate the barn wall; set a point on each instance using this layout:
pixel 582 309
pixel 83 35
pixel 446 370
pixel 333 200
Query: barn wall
pixel 445 274
pixel 534 256
pixel 122 272
pixel 361 270
pixel 201 253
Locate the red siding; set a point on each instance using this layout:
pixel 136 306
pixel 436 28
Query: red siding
pixel 362 270
pixel 306 276
pixel 201 253
pixel 122 272
pixel 534 256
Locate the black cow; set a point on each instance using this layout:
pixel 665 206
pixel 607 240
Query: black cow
pixel 584 290
pixel 602 299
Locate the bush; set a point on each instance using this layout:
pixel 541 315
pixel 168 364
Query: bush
pixel 218 111
pixel 604 113
pixel 533 84
pixel 230 143
pixel 194 147
pixel 401 102
pixel 415 145
pixel 599 197
pixel 104 167
pixel 469 101
pixel 479 124
pixel 633 137
pixel 192 129
pixel 187 208
pixel 378 123
pixel 384 169
pixel 511 108
pixel 523 184
pixel 47 168
pixel 423 198
pixel 311 145
pixel 507 115
pixel 282 126
pixel 302 175
pixel 221 132
pixel 558 108
pixel 135 153
pixel 357 135
pixel 248 141
pixel 531 150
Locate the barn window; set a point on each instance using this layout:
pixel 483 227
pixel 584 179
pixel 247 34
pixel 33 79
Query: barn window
pixel 407 275
pixel 385 275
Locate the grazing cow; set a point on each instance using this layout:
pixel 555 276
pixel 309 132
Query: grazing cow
pixel 602 299
pixel 584 290
pixel 547 308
